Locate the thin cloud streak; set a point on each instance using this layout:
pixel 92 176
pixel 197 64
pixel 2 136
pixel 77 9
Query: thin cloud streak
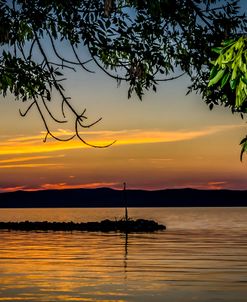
pixel 11 189
pixel 211 185
pixel 25 159
pixel 30 166
pixel 34 144
pixel 64 185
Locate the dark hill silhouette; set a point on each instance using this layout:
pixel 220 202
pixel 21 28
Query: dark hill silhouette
pixel 106 197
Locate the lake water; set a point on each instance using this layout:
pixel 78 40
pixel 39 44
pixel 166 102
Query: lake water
pixel 202 256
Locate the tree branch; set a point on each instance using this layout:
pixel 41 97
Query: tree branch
pixel 64 101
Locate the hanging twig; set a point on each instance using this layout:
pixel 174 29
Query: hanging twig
pixel 49 112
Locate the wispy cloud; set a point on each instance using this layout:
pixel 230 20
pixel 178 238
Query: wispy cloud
pixel 217 185
pixel 24 162
pixel 25 159
pixel 211 185
pixel 11 189
pixel 34 144
pixel 160 160
pixel 65 185
pixel 29 166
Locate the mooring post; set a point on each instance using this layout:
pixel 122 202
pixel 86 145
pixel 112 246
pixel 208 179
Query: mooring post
pixel 125 201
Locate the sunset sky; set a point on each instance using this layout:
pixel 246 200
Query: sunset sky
pixel 168 140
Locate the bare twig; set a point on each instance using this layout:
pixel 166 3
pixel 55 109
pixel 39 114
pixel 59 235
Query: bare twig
pixel 170 79
pixel 79 61
pixel 85 142
pixel 63 59
pixel 27 110
pixel 104 70
pixel 47 128
pixel 49 112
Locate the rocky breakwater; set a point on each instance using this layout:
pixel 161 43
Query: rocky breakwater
pixel 129 226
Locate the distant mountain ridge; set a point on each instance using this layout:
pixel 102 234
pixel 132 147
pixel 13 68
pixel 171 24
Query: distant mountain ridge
pixel 107 197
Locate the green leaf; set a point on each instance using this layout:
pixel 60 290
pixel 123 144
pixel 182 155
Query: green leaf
pixel 233 84
pixel 108 23
pixel 225 79
pixel 243 79
pixel 217 49
pixel 48 95
pixel 213 72
pixel 228 42
pixel 243 140
pixel 101 24
pixel 216 79
pixel 244 148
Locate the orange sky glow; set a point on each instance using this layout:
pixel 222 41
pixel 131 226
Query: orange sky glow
pixel 168 140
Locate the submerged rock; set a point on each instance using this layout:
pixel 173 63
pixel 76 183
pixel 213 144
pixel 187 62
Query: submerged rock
pixel 139 225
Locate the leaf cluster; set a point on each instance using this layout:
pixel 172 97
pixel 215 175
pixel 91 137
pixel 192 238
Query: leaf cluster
pixel 230 68
pixel 229 73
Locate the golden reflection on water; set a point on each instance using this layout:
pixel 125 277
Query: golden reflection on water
pixel 176 265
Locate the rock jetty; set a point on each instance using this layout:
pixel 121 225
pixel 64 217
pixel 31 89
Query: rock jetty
pixel 129 226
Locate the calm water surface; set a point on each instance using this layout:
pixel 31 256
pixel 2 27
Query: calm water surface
pixel 202 256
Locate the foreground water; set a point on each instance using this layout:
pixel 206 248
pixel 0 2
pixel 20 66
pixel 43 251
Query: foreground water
pixel 202 256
